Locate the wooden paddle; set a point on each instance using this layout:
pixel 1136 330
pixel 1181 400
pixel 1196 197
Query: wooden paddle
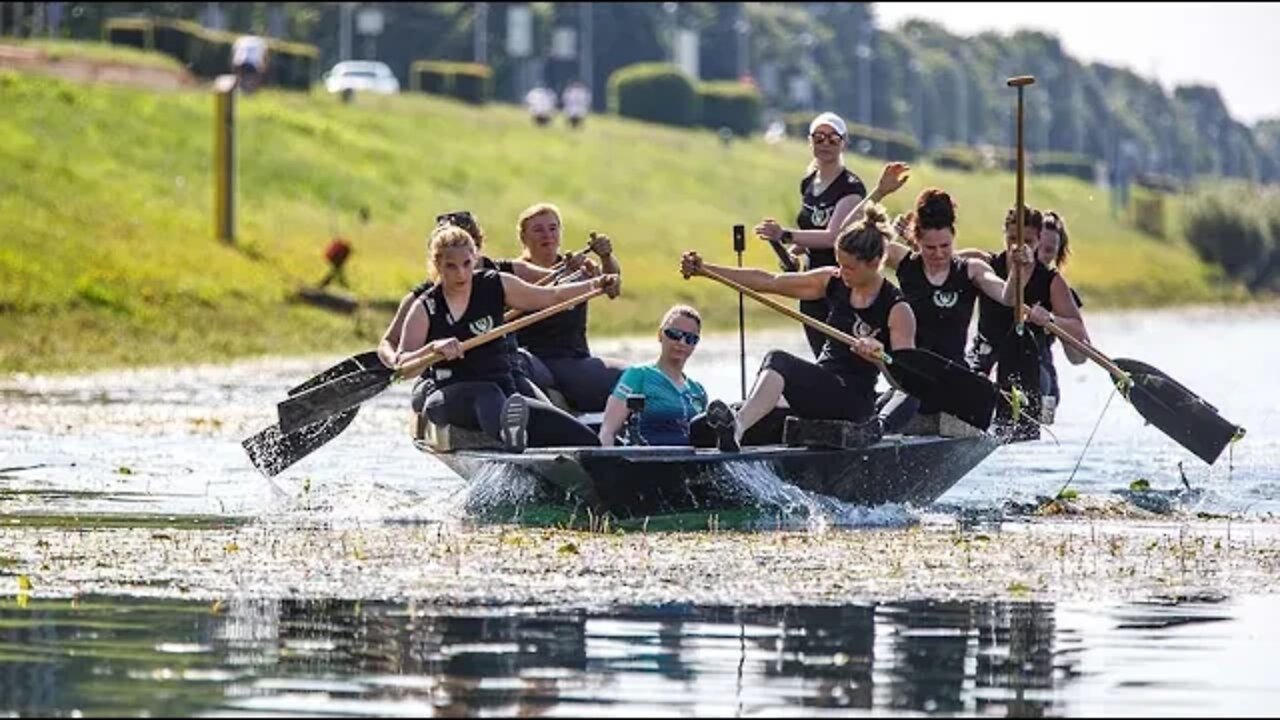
pixel 271 451
pixel 1164 402
pixel 933 379
pixel 335 396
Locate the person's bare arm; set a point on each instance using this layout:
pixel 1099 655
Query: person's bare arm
pixel 615 414
pixel 526 296
pixel 389 346
pixel 808 285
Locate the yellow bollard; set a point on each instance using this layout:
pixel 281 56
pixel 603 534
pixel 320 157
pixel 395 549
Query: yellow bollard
pixel 224 157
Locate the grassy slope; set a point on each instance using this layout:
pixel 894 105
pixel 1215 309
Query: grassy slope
pixel 107 256
pixel 97 52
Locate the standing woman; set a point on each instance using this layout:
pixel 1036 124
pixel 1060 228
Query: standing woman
pixel 476 390
pixel 557 349
pixel 829 192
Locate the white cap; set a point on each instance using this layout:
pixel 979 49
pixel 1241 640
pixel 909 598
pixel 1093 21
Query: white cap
pixel 829 118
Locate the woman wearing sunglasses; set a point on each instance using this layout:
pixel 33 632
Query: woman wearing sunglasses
pixel 829 192
pixel 671 399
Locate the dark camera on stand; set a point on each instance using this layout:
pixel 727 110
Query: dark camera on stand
pixel 635 403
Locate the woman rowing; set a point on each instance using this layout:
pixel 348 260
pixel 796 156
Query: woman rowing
pixel 557 351
pixel 841 384
pixel 1047 298
pixel 389 346
pixel 829 192
pixel 476 390
pixel 671 398
pixel 1053 251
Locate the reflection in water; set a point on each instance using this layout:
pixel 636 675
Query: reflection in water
pixel 112 656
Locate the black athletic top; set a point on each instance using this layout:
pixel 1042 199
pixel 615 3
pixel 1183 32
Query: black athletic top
pixel 995 320
pixel 815 210
pixel 563 335
pixel 1050 338
pixel 508 341
pixel 942 311
pixel 491 361
pixel 871 321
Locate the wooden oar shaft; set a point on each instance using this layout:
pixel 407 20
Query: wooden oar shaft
pixel 417 366
pixel 512 314
pixel 1087 350
pixel 789 312
pixel 1021 198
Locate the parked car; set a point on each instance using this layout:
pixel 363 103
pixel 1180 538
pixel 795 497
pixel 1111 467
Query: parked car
pixel 361 76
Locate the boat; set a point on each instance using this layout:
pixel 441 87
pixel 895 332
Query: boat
pixel 634 482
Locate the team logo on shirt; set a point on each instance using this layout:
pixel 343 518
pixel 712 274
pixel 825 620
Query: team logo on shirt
pixel 430 303
pixel 481 326
pixel 945 298
pixel 862 329
pixel 820 215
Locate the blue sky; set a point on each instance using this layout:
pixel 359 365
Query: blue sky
pixel 1232 46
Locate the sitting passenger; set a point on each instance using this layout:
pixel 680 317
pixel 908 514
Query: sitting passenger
pixel 671 399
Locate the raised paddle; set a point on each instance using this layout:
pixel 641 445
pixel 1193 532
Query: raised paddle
pixel 925 375
pixel 1020 359
pixel 1176 411
pixel 331 398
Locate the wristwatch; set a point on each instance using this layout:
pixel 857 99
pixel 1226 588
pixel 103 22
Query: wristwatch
pixel 787 237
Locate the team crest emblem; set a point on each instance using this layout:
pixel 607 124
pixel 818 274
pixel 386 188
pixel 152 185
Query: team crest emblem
pixel 945 298
pixel 820 215
pixel 862 329
pixel 482 326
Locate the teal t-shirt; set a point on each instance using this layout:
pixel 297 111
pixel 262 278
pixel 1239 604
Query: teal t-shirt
pixel 667 409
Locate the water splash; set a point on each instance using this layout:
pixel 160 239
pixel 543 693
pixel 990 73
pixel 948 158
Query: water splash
pixel 757 484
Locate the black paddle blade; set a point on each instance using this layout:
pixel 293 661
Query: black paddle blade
pixel 1018 362
pixel 355 363
pixel 328 399
pixel 945 384
pixel 1177 412
pixel 271 451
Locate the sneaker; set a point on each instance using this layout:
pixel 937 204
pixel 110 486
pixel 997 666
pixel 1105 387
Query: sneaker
pixel 515 423
pixel 722 420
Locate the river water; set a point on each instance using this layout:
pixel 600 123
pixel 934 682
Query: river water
pixel 159 448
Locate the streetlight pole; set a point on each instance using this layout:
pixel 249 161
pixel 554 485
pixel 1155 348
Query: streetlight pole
pixel 743 27
pixel 670 8
pixel 586 50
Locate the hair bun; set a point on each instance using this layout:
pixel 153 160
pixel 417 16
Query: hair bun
pixel 935 210
pixel 875 214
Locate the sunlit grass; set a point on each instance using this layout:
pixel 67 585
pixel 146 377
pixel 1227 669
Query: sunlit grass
pixel 108 257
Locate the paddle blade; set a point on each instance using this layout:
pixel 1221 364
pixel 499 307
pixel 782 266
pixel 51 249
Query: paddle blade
pixel 326 400
pixel 355 363
pixel 1177 412
pixel 1018 364
pixel 271 451
pixel 945 384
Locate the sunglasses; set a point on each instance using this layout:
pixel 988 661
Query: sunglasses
pixel 455 218
pixel 676 334
pixel 828 138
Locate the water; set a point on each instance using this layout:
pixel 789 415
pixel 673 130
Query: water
pixel 121 656
pixel 167 441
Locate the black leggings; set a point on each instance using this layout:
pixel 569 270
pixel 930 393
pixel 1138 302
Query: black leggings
pixel 818 310
pixel 584 382
pixel 478 406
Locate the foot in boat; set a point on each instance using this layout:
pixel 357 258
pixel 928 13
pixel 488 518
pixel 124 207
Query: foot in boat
pixel 722 420
pixel 515 423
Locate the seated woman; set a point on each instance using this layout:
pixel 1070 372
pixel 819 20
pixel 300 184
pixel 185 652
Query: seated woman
pixel 1052 252
pixel 477 390
pixel 841 385
pixel 389 346
pixel 557 351
pixel 671 399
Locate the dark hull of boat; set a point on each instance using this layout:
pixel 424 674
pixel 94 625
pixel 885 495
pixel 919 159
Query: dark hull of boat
pixel 646 481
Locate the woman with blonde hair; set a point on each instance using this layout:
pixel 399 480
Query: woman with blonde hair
pixel 671 399
pixel 841 384
pixel 476 389
pixel 556 349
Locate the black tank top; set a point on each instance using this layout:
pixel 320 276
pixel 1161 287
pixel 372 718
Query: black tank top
pixel 491 361
pixel 871 321
pixel 815 210
pixel 563 335
pixel 1050 338
pixel 943 312
pixel 995 320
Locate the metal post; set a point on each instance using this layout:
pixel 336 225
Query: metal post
pixel 739 245
pixel 224 158
pixel 480 40
pixel 344 31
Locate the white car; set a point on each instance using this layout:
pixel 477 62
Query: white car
pixel 362 76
